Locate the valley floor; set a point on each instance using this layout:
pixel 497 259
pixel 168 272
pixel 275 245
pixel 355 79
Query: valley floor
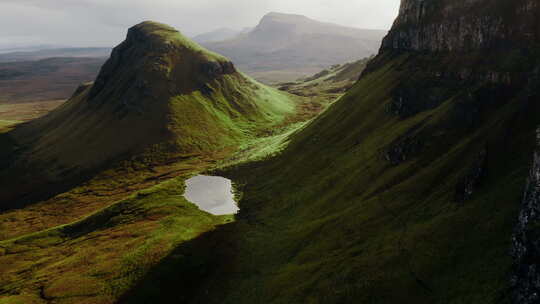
pixel 14 113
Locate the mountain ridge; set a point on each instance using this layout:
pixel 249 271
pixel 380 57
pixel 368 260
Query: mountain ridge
pixel 220 34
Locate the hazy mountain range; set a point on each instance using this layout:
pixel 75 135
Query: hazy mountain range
pixel 219 35
pixel 286 47
pixel 32 55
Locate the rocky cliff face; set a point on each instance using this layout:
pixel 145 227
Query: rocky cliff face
pixel 488 44
pixel 526 240
pixel 460 42
pixel 465 25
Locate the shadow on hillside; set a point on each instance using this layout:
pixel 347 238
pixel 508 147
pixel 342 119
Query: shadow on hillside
pixel 24 183
pixel 179 277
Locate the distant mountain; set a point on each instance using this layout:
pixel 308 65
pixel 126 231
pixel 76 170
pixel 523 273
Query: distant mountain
pixel 49 53
pixel 217 35
pixel 284 47
pixel 246 30
pixel 27 48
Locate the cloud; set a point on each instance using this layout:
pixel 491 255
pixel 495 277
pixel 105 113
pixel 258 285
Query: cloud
pixel 104 22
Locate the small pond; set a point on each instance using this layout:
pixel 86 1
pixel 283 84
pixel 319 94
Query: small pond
pixel 212 194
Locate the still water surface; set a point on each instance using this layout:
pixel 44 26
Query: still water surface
pixel 212 194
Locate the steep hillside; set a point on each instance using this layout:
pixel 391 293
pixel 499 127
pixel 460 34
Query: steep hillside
pixel 158 96
pixel 406 190
pixel 284 47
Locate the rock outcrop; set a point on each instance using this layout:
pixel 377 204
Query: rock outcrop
pixel 463 26
pixel 526 240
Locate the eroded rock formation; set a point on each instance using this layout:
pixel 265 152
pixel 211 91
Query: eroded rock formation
pixel 526 240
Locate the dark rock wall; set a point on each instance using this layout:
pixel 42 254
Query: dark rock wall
pixel 491 47
pixel 526 240
pixel 463 25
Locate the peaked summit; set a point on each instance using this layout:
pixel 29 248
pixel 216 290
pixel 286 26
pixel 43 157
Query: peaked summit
pixel 158 92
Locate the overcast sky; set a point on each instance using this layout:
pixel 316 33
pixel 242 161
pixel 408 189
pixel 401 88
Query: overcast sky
pixel 104 22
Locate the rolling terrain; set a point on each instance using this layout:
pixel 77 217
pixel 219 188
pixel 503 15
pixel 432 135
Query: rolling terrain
pixel 45 53
pixel 46 79
pixel 284 47
pixel 407 189
pixel 32 83
pixel 13 114
pixel 329 83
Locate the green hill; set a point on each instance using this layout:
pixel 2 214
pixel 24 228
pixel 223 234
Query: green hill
pixel 159 95
pixel 92 193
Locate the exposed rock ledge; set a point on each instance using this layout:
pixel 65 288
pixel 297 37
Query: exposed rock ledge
pixel 425 25
pixel 526 239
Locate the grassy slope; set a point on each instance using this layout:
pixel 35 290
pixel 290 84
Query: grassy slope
pixel 93 242
pixel 329 83
pixel 6 125
pixel 163 99
pixel 331 221
pixel 97 258
pixel 237 111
